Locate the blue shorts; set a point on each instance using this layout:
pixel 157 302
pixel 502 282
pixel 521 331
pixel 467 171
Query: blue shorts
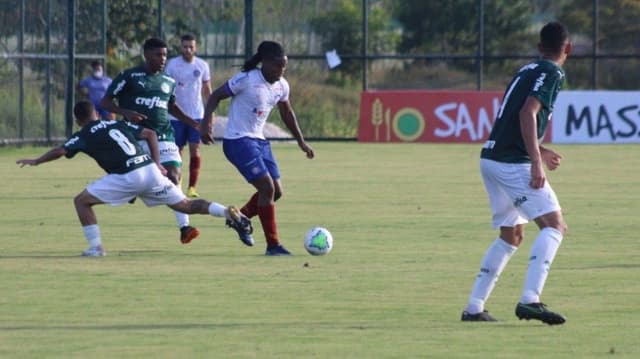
pixel 252 157
pixel 184 133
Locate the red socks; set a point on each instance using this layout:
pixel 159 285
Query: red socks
pixel 251 208
pixel 267 216
pixel 194 170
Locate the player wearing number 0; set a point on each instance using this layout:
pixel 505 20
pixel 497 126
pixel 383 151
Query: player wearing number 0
pixel 511 165
pixel 145 95
pixel 254 92
pixel 131 172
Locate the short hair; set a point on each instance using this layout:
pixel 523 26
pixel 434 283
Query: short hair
pixel 83 110
pixel 95 63
pixel 154 43
pixel 188 37
pixel 553 36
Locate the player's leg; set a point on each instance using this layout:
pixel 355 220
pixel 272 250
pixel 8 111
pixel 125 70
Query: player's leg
pixel 194 161
pixel 84 203
pixel 543 252
pixel 247 155
pixel 495 259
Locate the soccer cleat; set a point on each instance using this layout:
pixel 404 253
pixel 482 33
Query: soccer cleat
pixel 188 233
pixel 97 251
pixel 478 317
pixel 277 250
pixel 191 192
pixel 538 311
pixel 241 224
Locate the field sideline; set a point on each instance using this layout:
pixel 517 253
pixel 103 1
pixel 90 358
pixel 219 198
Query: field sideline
pixel 410 223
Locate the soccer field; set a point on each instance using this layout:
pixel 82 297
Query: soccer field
pixel 410 224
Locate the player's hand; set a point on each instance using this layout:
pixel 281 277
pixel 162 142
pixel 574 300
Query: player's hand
pixel 537 175
pixel 550 158
pixel 133 116
pixel 206 134
pixel 307 149
pixel 162 169
pixel 26 162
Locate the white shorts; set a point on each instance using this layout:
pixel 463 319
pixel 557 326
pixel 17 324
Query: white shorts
pixel 169 152
pixel 512 199
pixel 146 182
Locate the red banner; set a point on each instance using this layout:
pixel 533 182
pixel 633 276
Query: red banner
pixel 427 116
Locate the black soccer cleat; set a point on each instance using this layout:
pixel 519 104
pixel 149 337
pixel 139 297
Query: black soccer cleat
pixel 478 317
pixel 241 224
pixel 539 311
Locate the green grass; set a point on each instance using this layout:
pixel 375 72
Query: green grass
pixel 410 224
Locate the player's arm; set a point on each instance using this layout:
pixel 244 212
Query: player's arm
pixel 529 132
pixel 109 104
pixel 152 140
pixel 177 112
pixel 52 154
pixel 290 120
pixel 213 100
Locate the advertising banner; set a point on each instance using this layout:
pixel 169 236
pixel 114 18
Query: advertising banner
pixel 596 117
pixel 467 116
pixel 427 116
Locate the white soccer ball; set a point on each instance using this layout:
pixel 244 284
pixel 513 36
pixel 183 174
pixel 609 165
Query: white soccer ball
pixel 318 241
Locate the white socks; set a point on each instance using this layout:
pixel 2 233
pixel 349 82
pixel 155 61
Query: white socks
pixel 182 219
pixel 217 210
pixel 543 251
pixel 494 261
pixel 92 234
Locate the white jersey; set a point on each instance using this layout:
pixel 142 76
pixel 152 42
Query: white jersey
pixel 189 77
pixel 252 101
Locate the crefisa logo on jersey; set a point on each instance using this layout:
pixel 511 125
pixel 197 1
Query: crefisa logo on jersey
pixel 155 101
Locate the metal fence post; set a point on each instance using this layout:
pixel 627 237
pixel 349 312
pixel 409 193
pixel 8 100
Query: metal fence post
pixel 71 59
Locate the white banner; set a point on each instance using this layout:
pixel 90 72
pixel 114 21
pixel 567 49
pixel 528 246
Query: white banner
pixel 596 117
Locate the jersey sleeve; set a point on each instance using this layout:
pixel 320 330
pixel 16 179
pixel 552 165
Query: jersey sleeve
pixel 117 85
pixel 238 83
pixel 73 145
pixel 206 72
pixel 545 86
pixel 285 90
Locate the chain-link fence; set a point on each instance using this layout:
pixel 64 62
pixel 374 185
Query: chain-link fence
pixel 383 44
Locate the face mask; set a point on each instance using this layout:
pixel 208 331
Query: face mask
pixel 97 74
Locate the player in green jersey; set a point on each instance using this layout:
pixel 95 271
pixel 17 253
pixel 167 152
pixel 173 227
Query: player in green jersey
pixel 131 172
pixel 146 95
pixel 511 166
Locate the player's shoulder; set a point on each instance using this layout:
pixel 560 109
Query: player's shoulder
pixel 132 72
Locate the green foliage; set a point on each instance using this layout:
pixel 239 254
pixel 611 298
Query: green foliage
pixel 341 29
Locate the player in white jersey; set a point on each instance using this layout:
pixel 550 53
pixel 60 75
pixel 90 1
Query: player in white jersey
pixel 193 84
pixel 255 92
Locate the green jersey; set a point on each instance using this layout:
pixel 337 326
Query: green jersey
pixel 113 144
pixel 541 79
pixel 148 94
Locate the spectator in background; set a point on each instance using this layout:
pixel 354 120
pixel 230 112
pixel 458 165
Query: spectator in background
pixel 511 164
pixel 193 84
pixel 95 86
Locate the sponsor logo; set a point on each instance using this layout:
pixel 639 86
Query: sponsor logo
pixel 72 140
pixel 163 191
pixel 539 81
pixel 137 160
pixel 119 87
pixel 101 125
pixel 142 84
pixel 519 201
pixel 155 101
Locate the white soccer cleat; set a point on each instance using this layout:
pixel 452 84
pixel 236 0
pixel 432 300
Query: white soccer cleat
pixel 96 251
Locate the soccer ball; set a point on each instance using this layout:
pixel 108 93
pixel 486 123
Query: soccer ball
pixel 318 241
